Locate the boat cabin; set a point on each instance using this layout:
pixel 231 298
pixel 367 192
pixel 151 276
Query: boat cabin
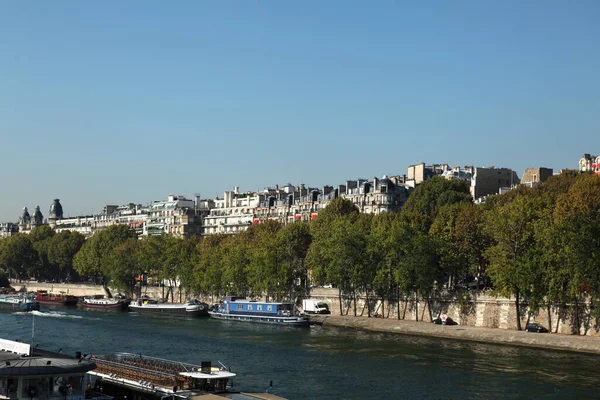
pixel 233 305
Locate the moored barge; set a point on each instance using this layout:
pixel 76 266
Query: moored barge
pixel 236 309
pixel 56 299
pixel 192 308
pixel 18 302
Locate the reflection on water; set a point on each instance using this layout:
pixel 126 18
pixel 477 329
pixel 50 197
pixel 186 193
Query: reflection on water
pixel 322 362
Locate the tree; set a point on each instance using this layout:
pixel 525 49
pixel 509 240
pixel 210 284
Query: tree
pixel 18 258
pixel 61 251
pixel 510 259
pixel 208 268
pixel 41 237
pixel 122 264
pixel 346 257
pixel 293 242
pixel 91 258
pixel 176 262
pixel 233 262
pixel 320 229
pixel 423 204
pixel 264 260
pixel 384 251
pixel 572 257
pixel 463 240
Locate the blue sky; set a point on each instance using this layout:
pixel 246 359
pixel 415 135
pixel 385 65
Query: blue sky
pixel 115 102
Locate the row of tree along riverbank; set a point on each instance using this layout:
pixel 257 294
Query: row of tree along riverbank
pixel 535 245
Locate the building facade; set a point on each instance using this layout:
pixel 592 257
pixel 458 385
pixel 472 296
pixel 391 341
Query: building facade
pixel 175 216
pixel 7 229
pixel 589 163
pixel 534 176
pixel 489 181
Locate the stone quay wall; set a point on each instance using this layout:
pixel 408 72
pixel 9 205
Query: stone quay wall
pixel 479 309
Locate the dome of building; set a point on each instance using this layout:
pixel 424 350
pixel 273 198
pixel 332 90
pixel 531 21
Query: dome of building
pixel 56 211
pixel 25 217
pixel 38 218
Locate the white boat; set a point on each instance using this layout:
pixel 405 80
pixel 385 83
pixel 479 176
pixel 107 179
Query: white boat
pixel 102 303
pixel 18 302
pixel 192 308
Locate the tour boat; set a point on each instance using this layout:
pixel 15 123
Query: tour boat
pixel 18 302
pixel 104 304
pixel 127 375
pixel 50 298
pixel 235 309
pixel 192 308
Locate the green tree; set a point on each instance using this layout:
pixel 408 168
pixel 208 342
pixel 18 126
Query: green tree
pixel 462 239
pixel 18 258
pixel 511 267
pixel 423 204
pixel 208 268
pixel 293 242
pixel 233 258
pixel 41 238
pixel 320 229
pixel 265 259
pixel 90 259
pixel 61 251
pixel 345 256
pixel 572 243
pixel 384 251
pixel 121 265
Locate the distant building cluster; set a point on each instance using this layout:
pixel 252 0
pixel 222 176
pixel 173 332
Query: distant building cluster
pixel 236 210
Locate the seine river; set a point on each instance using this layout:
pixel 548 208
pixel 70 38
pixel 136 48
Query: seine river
pixel 321 362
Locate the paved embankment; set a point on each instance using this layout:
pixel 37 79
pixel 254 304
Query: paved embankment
pixel 586 344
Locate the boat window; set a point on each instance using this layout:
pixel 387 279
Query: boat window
pixel 269 308
pixel 240 306
pixel 249 306
pixel 259 307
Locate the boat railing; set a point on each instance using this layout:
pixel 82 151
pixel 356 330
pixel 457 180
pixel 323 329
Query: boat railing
pixel 146 360
pixel 131 372
pixel 137 368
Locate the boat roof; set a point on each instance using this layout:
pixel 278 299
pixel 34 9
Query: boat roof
pixel 39 362
pixel 256 302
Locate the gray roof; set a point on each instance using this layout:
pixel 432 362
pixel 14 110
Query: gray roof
pixel 42 363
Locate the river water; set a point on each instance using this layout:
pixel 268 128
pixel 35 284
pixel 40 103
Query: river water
pixel 320 362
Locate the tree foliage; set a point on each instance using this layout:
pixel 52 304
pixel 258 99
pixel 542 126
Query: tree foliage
pixel 423 204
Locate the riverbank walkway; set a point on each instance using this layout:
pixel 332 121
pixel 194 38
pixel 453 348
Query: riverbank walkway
pixel 552 341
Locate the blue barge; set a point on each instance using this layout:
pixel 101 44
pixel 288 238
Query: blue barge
pixel 234 309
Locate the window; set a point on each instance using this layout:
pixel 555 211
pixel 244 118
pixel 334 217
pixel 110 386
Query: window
pixel 240 306
pixel 269 308
pixel 249 306
pixel 259 307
